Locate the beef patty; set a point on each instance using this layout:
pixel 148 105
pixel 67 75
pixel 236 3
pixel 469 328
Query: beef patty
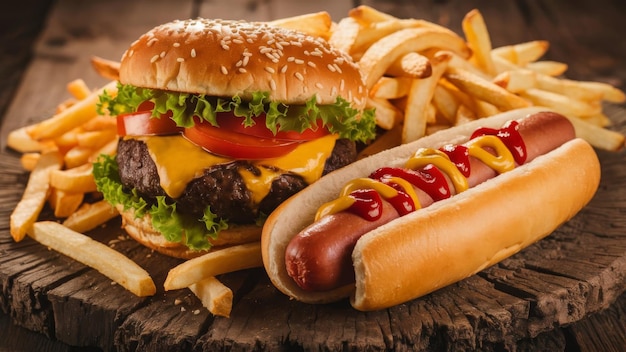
pixel 221 187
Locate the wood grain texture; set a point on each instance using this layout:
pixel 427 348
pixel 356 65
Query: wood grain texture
pixel 565 292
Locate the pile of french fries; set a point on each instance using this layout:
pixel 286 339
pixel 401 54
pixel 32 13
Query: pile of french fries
pixel 421 77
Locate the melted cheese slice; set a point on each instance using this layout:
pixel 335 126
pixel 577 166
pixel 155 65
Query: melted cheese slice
pixel 179 161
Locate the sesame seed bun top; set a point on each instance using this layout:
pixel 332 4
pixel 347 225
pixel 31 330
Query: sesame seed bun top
pixel 226 58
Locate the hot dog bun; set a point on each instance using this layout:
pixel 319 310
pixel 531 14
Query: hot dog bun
pixel 550 190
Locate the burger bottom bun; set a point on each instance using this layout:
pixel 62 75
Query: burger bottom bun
pixel 141 230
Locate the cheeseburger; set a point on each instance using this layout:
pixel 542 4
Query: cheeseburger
pixel 220 122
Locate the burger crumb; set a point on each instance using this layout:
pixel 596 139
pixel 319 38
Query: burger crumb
pixel 183 309
pixel 177 301
pixel 196 312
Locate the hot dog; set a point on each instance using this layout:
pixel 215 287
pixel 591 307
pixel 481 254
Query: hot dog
pixel 397 257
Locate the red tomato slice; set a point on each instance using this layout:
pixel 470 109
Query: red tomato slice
pixel 141 123
pixel 221 141
pixel 233 123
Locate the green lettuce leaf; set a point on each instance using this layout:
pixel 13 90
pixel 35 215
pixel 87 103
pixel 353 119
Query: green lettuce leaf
pixel 340 118
pixel 165 218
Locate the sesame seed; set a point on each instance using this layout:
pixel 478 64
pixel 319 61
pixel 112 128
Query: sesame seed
pixel 331 68
pixel 162 55
pixel 319 85
pixel 242 70
pixel 224 70
pixel 152 41
pixel 265 50
pixel 299 61
pixel 283 69
pixel 225 47
pixel 176 45
pixel 342 85
pixel 311 63
pixel 238 41
pixel 270 69
pixel 193 52
pixel 291 59
pixel 337 68
pixel 299 76
pixel 333 91
pixel 180 59
pixel 245 60
pixel 239 63
pixel 154 59
pixel 273 84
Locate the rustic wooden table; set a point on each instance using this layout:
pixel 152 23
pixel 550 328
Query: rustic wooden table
pixel 45 44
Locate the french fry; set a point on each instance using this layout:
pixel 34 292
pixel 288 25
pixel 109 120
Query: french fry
pixel 29 160
pixel 106 68
pixel 391 87
pixel 547 67
pixel 64 203
pixel 95 139
pixel 420 95
pixel 412 65
pixel 367 15
pixel 387 114
pixel 214 263
pixel 344 34
pixel 78 88
pixel 523 53
pixel 478 40
pixel 71 117
pixel 34 198
pixel 316 24
pixel 597 136
pixel 214 295
pixel 463 64
pixel 445 103
pixel 485 90
pixel 94 254
pixel 90 215
pixel 561 103
pixel 21 141
pixel 77 156
pixel 75 180
pixel 516 81
pixel 382 54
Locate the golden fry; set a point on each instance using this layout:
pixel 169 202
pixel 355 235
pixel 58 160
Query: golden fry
pixel 316 24
pixel 382 54
pixel 90 215
pixel 64 203
pixel 214 295
pixel 106 68
pixel 34 198
pixel 479 41
pixel 412 65
pixel 485 90
pixel 94 254
pixel 523 53
pixel 76 180
pixel 71 117
pixel 78 88
pixel 419 98
pixel 214 263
